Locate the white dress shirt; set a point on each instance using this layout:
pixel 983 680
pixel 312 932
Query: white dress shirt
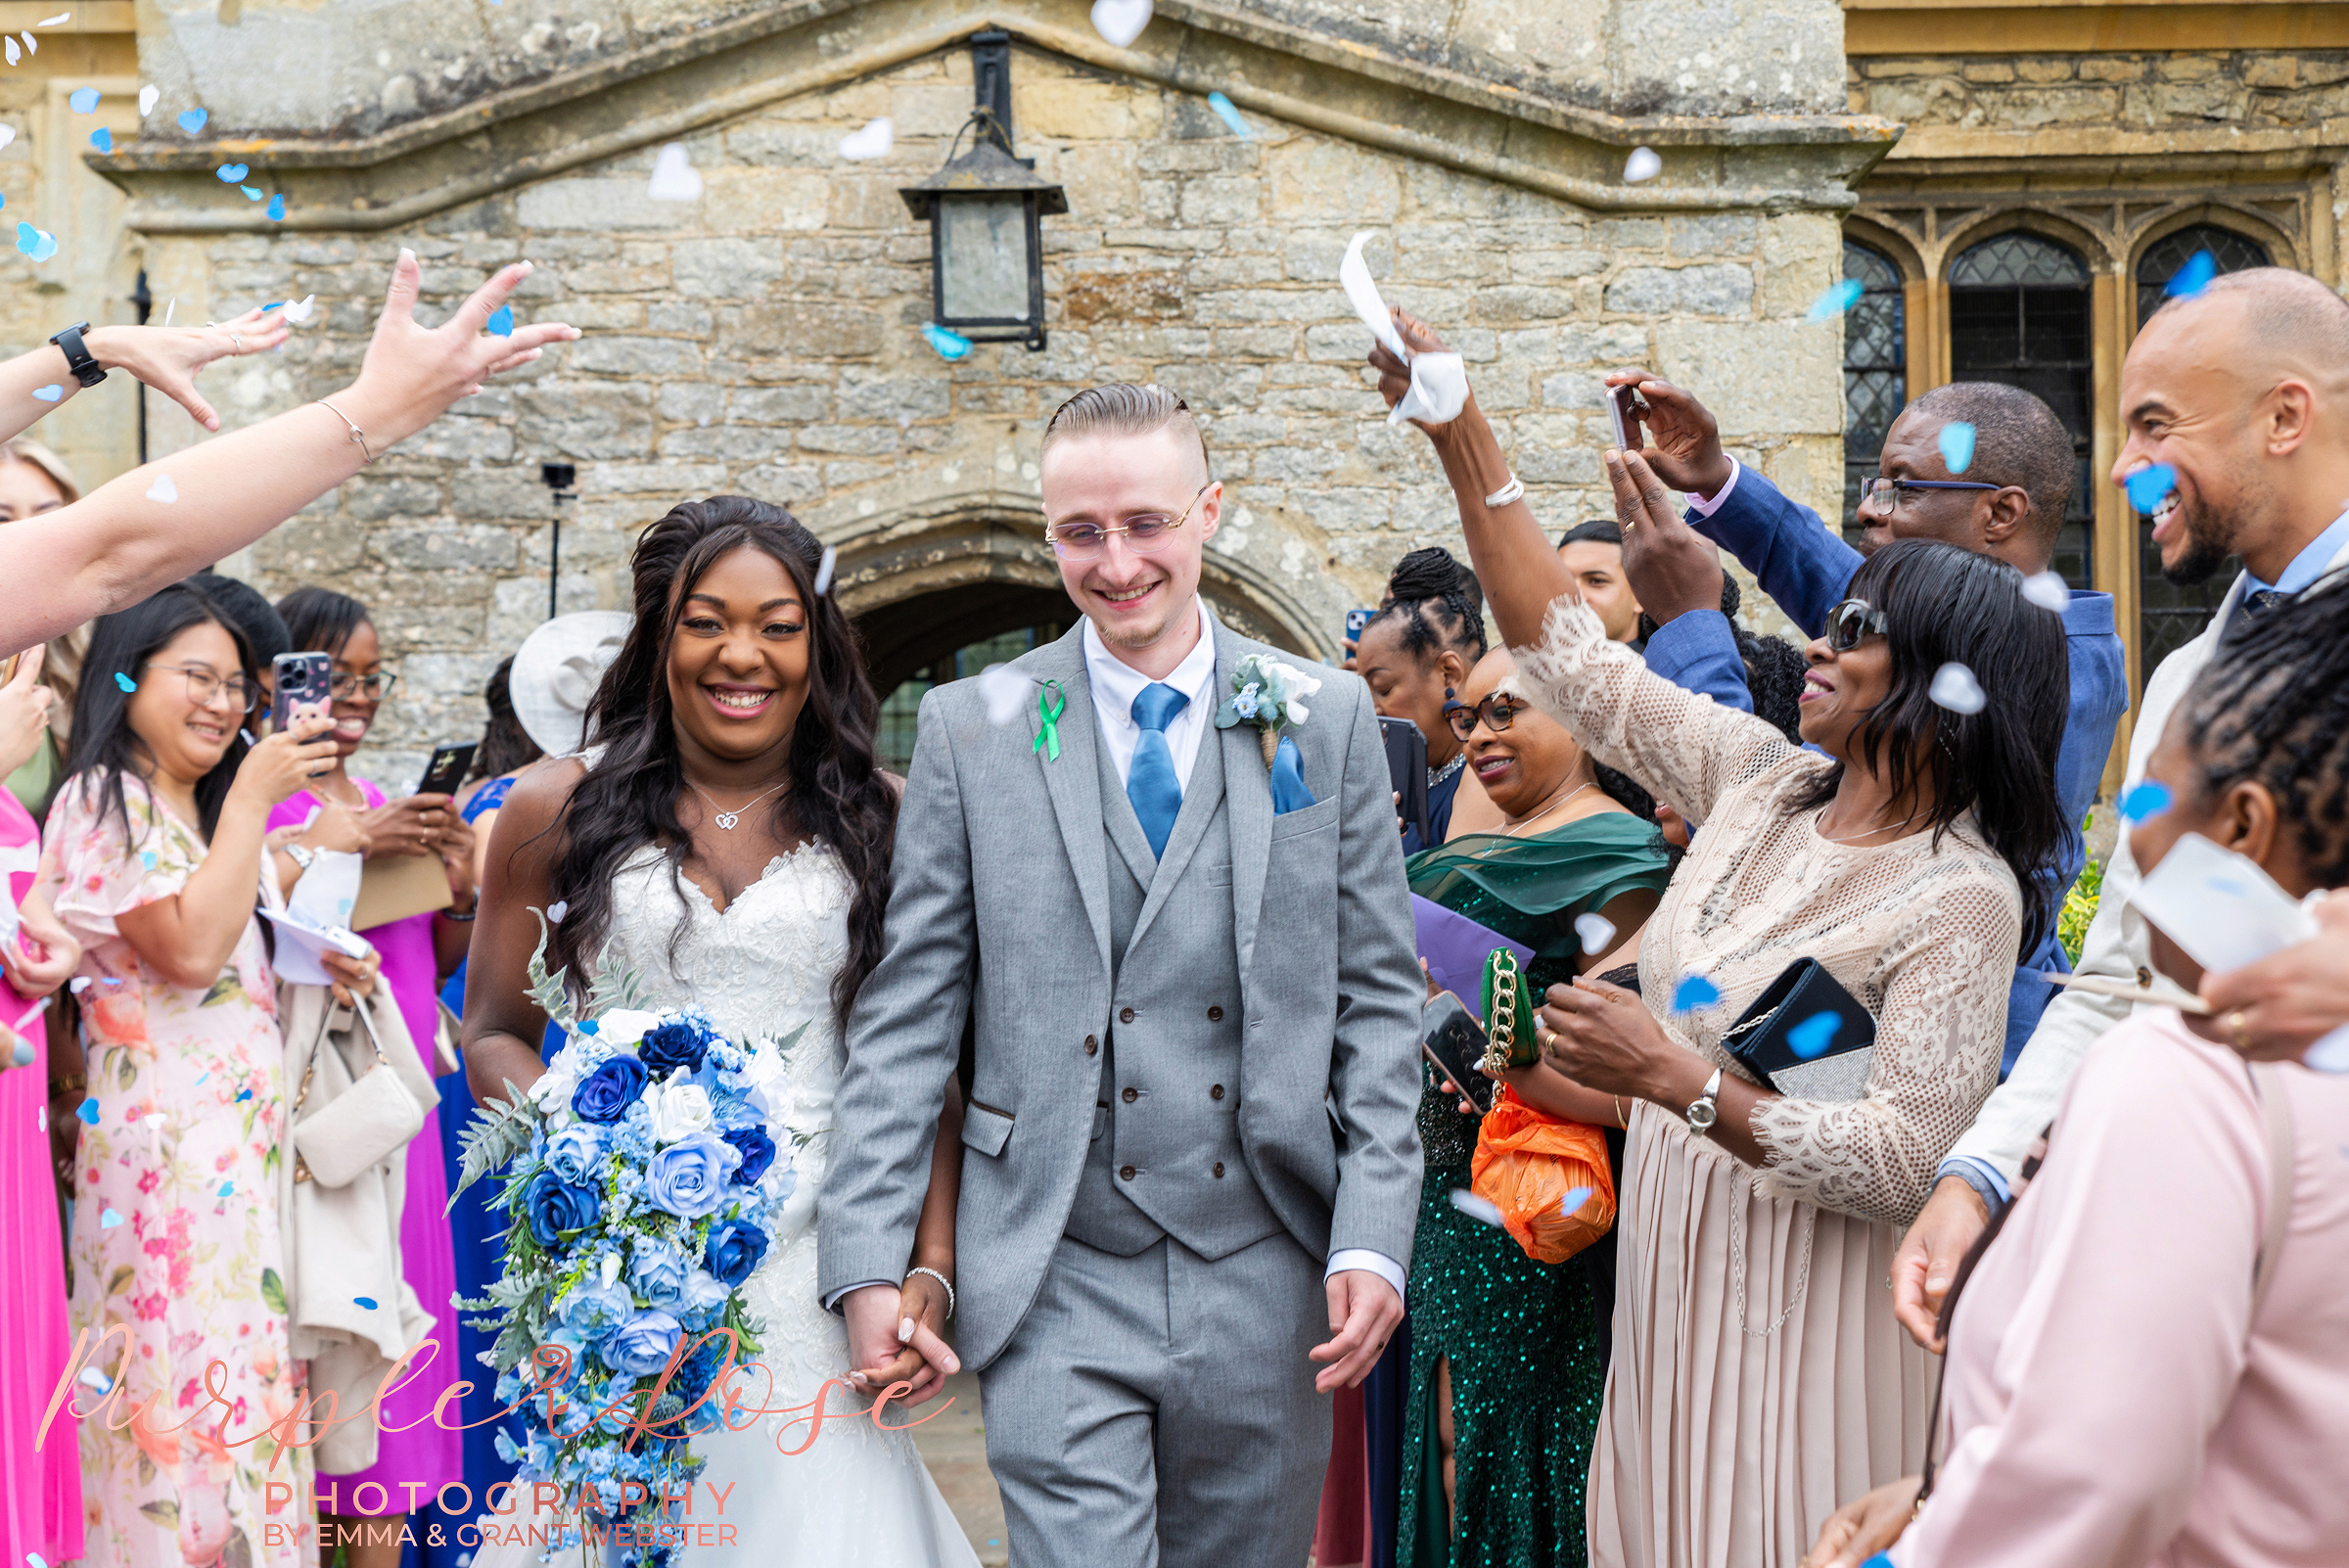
pixel 1117 684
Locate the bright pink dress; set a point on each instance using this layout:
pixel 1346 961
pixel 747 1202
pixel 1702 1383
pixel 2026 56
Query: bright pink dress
pixel 426 1453
pixel 41 1490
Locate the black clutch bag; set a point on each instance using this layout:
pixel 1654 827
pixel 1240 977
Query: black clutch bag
pixel 1806 1037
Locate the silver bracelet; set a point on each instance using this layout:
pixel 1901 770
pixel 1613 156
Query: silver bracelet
pixel 1508 492
pixel 941 1279
pixel 357 434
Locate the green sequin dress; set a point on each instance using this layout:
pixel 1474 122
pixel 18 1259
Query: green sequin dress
pixel 1527 1341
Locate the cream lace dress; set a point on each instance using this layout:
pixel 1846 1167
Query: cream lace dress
pixel 1759 1379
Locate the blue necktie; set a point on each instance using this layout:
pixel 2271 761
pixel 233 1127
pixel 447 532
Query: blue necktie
pixel 1151 784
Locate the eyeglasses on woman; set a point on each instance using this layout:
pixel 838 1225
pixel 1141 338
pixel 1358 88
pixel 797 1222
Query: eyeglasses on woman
pixel 206 685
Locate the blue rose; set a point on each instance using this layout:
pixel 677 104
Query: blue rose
pixel 606 1094
pixel 572 1153
pixel 643 1343
pixel 734 1251
pixel 658 1271
pixel 703 1297
pixel 553 1206
pixel 592 1307
pixel 673 1045
pixel 689 1178
pixel 757 1153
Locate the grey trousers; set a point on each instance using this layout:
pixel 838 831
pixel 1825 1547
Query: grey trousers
pixel 1160 1409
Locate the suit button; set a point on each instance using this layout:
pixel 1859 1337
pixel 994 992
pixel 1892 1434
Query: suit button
pixel 1215 1094
pixel 1092 1043
pixel 1215 1015
pixel 1219 1170
pixel 1129 1096
pixel 1126 1172
pixel 1124 1015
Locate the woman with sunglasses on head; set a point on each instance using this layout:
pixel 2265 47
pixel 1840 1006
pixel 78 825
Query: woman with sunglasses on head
pixel 155 863
pixel 1758 1378
pixel 419 952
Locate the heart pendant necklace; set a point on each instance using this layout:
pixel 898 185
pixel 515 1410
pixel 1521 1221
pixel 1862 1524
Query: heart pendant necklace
pixel 725 818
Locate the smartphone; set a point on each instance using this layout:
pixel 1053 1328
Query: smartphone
pixel 1355 621
pixel 446 770
pixel 1624 409
pixel 1451 1039
pixel 1407 771
pixel 304 684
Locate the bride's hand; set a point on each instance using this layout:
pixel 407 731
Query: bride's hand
pixel 925 1362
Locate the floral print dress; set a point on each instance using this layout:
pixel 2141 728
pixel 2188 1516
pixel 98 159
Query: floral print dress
pixel 175 1239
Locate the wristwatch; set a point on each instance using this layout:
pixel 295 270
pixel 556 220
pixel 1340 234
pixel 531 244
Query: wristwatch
pixel 78 358
pixel 1707 1109
pixel 299 855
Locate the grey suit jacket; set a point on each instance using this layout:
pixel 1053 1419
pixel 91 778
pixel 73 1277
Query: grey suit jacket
pixel 1001 911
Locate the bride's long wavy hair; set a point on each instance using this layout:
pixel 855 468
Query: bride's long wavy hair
pixel 628 799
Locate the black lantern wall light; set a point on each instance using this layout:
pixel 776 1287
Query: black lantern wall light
pixel 983 209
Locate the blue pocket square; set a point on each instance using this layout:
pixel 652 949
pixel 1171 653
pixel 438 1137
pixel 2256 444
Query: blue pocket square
pixel 1289 793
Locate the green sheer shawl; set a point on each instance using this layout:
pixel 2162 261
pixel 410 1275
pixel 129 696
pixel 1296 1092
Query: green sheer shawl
pixel 1529 889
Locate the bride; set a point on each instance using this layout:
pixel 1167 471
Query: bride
pixel 728 839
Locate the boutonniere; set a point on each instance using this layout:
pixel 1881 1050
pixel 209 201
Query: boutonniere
pixel 1269 694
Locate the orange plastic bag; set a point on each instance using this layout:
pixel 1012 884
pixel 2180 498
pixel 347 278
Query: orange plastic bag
pixel 1527 1164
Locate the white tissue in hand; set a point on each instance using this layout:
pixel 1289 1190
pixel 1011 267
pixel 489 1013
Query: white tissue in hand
pixel 873 141
pixel 1004 692
pixel 1439 380
pixel 1955 689
pixel 1354 276
pixel 1476 1207
pixel 675 178
pixel 1597 930
pixel 1642 165
pixel 2048 592
pixel 1120 22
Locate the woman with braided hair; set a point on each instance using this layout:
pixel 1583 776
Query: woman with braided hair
pixel 1414 654
pixel 2186 1237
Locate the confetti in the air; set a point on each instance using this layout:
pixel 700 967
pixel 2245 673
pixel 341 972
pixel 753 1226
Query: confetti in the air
pixel 7 135
pixel 1814 1034
pixel 1229 115
pixel 147 99
pixel 233 173
pixel 556 910
pixel 102 139
pixel 302 309
pixel 1120 22
pixel 1642 165
pixel 1572 1200
pixel 78 984
pixel 1693 992
pixel 39 244
pixel 500 323
pixel 277 207
pixel 2048 592
pixel 84 100
pixel 9 49
pixel 1955 689
pixel 109 1219
pixel 950 344
pixel 22 1053
pixel 675 178
pixel 873 141
pixel 228 1190
pixel 252 193
pixel 1476 1207
pixel 1598 931
pixel 1836 301
pixel 97 1380
pixel 824 569
pixel 243 1095
pixel 2149 799
pixel 2148 487
pixel 124 682
pixel 51 393
pixel 245 735
pixel 1004 693
pixel 367 1302
pixel 170 309
pixel 58 21
pixel 162 490
pixel 192 121
pixel 2194 277
pixel 1957 445
pixel 87 1110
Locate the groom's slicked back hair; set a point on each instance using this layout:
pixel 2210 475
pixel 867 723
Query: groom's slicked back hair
pixel 1126 408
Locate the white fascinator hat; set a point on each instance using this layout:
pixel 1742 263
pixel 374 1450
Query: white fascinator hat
pixel 556 672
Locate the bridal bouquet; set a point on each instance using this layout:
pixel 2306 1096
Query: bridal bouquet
pixel 641 1175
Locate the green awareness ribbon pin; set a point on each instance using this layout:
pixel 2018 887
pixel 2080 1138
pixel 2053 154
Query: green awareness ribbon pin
pixel 1050 704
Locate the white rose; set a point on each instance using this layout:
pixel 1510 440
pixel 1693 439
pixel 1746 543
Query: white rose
pixel 765 1079
pixel 1297 711
pixel 623 1025
pixel 679 1109
pixel 553 1090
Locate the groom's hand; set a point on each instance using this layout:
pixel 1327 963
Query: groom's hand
pixel 881 1353
pixel 1364 1311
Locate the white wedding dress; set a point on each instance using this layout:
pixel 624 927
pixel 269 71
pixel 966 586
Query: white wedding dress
pixel 858 1495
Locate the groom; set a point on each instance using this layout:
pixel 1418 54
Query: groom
pixel 1190 1170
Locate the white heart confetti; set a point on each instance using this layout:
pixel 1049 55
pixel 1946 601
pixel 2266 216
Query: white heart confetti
pixel 7 135
pixel 162 490
pixel 78 984
pixel 146 98
pixel 1004 692
pixel 874 141
pixel 1955 689
pixel 1476 1207
pixel 303 309
pixel 675 178
pixel 1120 22
pixel 556 910
pixel 1642 165
pixel 1597 930
pixel 823 571
pixel 2048 592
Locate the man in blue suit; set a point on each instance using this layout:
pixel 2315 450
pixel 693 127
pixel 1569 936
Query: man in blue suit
pixel 2008 502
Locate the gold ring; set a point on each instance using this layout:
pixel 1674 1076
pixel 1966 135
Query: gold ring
pixel 2234 1026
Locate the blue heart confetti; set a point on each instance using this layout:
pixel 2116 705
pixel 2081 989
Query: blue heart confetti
pixel 112 980
pixel 111 1219
pixel 367 1302
pixel 39 244
pixel 192 121
pixel 1230 116
pixel 102 139
pixel 950 344
pixel 1693 992
pixel 500 323
pixel 2194 277
pixel 1810 1039
pixel 231 173
pixel 277 207
pixel 33 1559
pixel 1957 445
pixel 2149 799
pixel 243 1095
pixel 587 1026
pixel 125 682
pixel 1836 301
pixel 147 858
pixel 84 100
pixel 2149 485
pixel 1571 1203
pixel 51 393
pixel 87 1110
pixel 228 1190
pixel 201 1077
pixel 252 193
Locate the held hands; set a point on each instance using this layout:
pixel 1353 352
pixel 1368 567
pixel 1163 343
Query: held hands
pixel 413 373
pixel 167 358
pixel 1364 1311
pixel 1928 1258
pixel 894 1338
pixel 23 710
pixel 285 762
pixel 1684 442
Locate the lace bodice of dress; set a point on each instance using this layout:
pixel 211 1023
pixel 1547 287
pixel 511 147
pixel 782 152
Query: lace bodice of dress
pixel 1924 935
